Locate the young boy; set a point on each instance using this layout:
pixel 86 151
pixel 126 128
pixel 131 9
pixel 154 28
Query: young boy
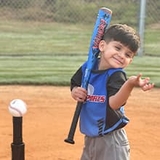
pixel 102 117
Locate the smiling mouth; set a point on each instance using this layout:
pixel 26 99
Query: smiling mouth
pixel 118 61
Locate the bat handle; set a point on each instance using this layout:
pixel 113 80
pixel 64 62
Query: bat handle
pixel 70 138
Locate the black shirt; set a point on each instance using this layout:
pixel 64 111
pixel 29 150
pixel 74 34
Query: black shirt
pixel 115 81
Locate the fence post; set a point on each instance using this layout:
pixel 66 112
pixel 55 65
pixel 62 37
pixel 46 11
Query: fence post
pixel 142 25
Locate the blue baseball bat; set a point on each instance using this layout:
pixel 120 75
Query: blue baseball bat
pixel 102 22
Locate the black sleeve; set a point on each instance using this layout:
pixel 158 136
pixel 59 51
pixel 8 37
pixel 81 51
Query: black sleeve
pixel 76 78
pixel 113 116
pixel 115 82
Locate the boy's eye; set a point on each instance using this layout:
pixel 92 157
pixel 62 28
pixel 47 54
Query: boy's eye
pixel 118 48
pixel 128 55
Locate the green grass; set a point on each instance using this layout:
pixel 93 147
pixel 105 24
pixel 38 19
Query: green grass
pixel 46 38
pixel 43 38
pixel 31 69
pixel 147 66
pixel 57 70
pixel 152 42
pixel 49 53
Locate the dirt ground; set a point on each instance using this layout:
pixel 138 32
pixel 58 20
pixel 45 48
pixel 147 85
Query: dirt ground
pixel 50 111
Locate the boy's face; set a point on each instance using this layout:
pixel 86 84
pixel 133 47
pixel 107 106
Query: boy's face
pixel 114 55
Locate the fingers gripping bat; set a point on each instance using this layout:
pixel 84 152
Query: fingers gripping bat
pixel 102 22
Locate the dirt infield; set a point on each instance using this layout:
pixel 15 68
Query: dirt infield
pixel 50 110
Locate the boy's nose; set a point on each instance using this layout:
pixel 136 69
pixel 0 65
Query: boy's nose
pixel 121 54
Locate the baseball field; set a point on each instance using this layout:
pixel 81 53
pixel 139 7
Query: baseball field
pixel 50 111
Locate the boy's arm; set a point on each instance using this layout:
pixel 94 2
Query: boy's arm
pixel 76 79
pixel 77 92
pixel 124 92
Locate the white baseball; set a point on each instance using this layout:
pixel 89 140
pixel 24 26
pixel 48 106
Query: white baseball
pixel 17 108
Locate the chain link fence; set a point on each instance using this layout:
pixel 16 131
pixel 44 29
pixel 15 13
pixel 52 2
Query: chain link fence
pixel 83 12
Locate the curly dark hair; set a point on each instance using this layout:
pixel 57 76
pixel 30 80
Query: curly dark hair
pixel 123 34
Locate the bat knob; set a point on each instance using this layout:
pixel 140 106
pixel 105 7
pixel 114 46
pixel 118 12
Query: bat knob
pixel 69 141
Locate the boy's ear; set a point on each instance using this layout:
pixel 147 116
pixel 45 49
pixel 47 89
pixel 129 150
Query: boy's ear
pixel 101 45
pixel 130 61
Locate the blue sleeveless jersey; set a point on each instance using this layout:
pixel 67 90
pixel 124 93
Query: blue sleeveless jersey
pixel 96 117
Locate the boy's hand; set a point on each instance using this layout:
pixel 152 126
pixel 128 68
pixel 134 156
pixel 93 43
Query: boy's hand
pixel 79 94
pixel 139 82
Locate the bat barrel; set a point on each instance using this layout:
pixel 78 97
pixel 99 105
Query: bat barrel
pixel 17 146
